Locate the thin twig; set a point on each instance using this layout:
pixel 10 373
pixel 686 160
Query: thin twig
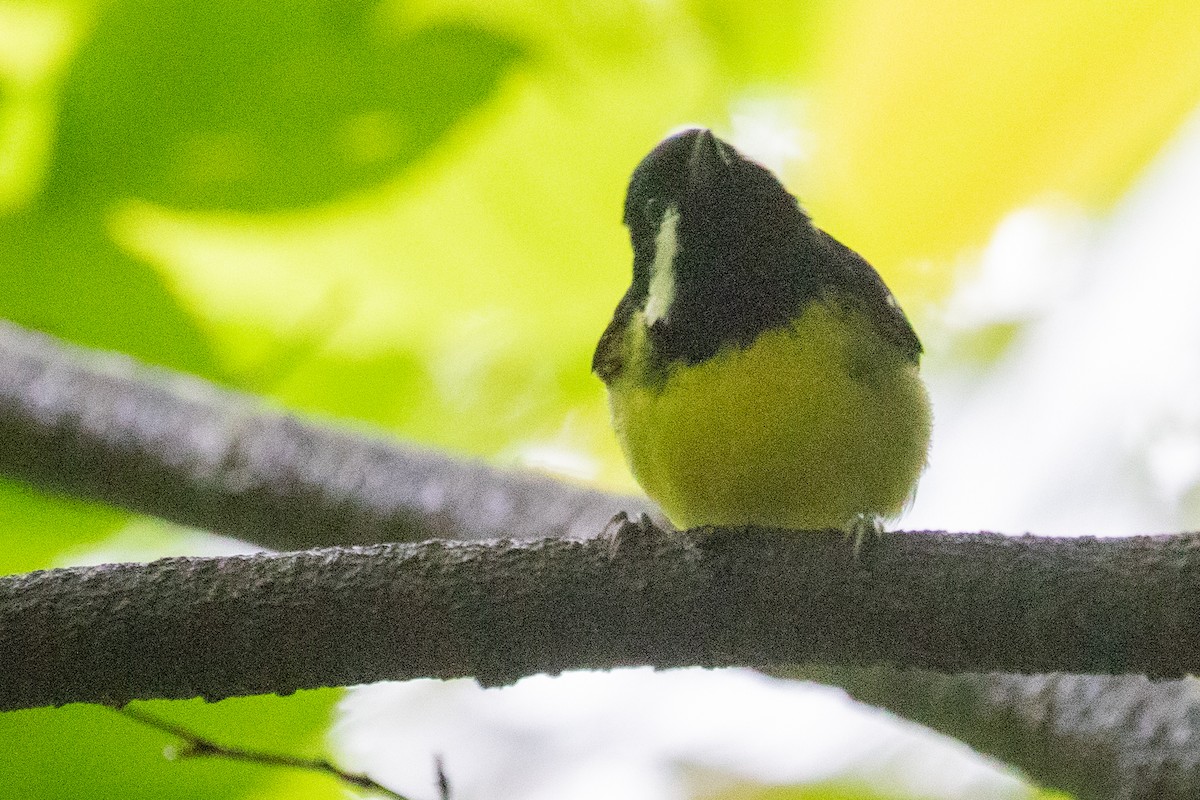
pixel 443 781
pixel 197 746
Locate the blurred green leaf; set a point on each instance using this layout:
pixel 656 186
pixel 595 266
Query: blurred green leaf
pixel 774 44
pixel 260 106
pixel 63 274
pixel 35 528
pixel 92 752
pixel 985 345
pixel 935 118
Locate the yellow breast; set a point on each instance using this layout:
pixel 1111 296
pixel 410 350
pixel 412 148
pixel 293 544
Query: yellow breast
pixel 809 427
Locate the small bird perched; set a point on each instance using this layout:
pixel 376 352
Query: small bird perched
pixel 759 372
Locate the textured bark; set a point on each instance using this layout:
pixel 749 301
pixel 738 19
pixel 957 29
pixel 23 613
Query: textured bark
pixel 500 611
pixel 1098 737
pixel 102 427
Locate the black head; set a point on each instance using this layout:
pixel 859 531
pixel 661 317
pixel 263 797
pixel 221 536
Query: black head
pixel 722 252
pixel 698 171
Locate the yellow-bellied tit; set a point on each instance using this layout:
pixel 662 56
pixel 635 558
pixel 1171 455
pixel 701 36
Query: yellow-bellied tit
pixel 759 372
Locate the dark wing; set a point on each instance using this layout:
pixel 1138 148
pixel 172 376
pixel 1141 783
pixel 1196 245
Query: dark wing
pixel 609 359
pixel 860 280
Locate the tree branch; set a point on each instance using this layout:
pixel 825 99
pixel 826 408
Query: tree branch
pixel 100 426
pixel 1098 737
pixel 184 627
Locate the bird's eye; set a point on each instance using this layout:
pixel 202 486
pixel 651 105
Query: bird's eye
pixel 653 210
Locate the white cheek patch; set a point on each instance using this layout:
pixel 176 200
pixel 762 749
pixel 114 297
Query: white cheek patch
pixel 662 271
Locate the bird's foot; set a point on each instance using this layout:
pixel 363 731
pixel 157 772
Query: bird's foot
pixel 863 532
pixel 621 531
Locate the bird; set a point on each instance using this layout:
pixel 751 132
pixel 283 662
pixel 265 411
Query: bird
pixel 759 372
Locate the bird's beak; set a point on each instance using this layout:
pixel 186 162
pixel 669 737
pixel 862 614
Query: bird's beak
pixel 708 161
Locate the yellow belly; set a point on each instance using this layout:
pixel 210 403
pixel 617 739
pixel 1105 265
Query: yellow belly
pixel 807 428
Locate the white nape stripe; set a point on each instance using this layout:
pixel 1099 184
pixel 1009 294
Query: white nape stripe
pixel 662 271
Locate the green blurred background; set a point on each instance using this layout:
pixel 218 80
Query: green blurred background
pixel 408 214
